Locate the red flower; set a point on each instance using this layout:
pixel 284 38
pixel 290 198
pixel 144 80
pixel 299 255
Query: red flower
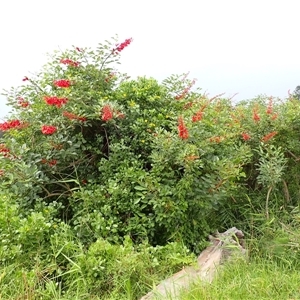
pixel 63 83
pixel 78 49
pixel 22 102
pixel 255 116
pixel 48 129
pixel 120 47
pixel 185 91
pixel 10 124
pixel 5 151
pixel 52 162
pixel 25 78
pixel 58 102
pixel 268 136
pixel 72 116
pixel 182 130
pixel 198 116
pixel 188 105
pixel 107 113
pixel 69 62
pixel 270 106
pixel 246 136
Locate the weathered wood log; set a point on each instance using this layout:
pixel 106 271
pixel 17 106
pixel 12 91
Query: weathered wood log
pixel 224 246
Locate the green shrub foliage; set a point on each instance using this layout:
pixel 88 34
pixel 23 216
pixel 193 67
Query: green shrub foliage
pixel 123 157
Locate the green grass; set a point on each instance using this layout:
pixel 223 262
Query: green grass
pixel 257 280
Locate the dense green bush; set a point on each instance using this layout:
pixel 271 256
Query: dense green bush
pixel 105 178
pixel 134 157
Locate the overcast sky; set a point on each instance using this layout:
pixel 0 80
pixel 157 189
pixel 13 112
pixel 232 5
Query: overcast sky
pixel 249 47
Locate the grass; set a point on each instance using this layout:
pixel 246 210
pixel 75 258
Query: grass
pixel 257 280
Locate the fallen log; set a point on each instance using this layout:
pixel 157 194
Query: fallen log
pixel 224 246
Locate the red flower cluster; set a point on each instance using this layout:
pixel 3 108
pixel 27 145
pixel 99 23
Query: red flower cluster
pixel 182 130
pixel 185 91
pixel 270 106
pixel 51 163
pixel 188 105
pixel 198 116
pixel 22 102
pixel 58 102
pixel 123 45
pixel 48 129
pixel 255 115
pixel 63 83
pixel 10 124
pixel 268 136
pixel 5 151
pixel 246 136
pixel 107 113
pixel 72 116
pixel 69 62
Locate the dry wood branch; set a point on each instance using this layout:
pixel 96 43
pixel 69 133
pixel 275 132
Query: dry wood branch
pixel 224 246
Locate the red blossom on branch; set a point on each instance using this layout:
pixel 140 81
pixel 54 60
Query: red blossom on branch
pixel 78 49
pixel 62 83
pixel 69 62
pixel 246 136
pixel 25 78
pixel 120 47
pixel 107 113
pixel 268 136
pixel 72 116
pixel 198 116
pixel 188 105
pixel 4 150
pixel 255 115
pixel 58 102
pixel 10 124
pixel 215 97
pixel 22 102
pixel 185 91
pixel 270 106
pixel 51 163
pixel 48 129
pixel 182 129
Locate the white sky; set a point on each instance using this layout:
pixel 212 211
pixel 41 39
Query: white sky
pixel 248 47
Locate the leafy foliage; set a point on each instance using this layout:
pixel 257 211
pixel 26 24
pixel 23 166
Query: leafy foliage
pixel 96 165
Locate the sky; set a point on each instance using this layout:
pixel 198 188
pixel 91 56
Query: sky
pixel 249 47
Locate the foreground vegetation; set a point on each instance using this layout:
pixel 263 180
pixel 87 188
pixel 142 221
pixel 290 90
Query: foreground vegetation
pixel 109 185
